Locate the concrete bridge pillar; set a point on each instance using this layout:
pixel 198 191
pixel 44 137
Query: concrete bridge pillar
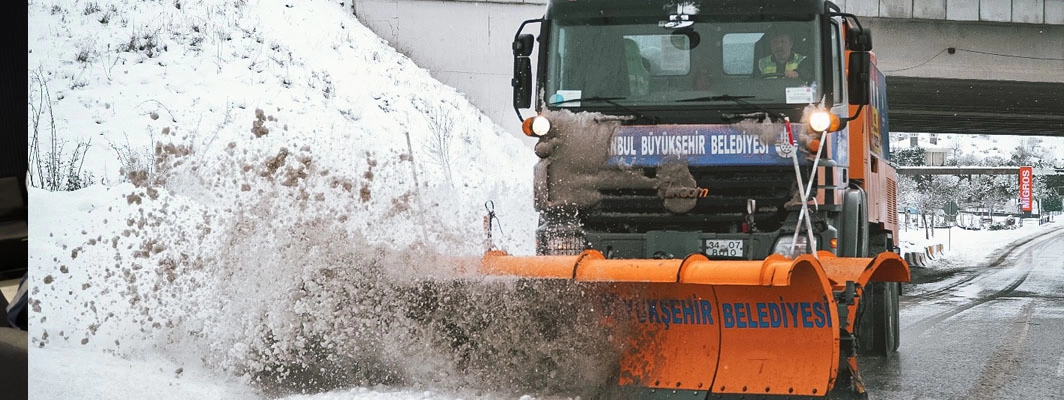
pixel 464 44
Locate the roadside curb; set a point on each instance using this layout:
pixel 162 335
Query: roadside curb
pixel 922 258
pixel 914 259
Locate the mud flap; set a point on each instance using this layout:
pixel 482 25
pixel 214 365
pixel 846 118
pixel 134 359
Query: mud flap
pixel 727 327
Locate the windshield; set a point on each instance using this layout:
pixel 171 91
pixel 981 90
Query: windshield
pixel 640 63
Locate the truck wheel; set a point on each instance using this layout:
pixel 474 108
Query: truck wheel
pixel 888 342
pixel 879 332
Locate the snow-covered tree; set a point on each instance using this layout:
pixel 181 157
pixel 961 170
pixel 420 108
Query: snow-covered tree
pixel 909 157
pixel 928 193
pixel 1030 153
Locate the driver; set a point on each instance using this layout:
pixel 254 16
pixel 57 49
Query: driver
pixel 783 62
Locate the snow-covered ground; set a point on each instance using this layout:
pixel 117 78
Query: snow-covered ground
pixel 971 248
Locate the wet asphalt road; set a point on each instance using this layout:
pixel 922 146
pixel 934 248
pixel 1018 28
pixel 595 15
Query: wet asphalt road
pixel 994 331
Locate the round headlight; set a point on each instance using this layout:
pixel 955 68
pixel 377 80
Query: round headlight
pixel 540 125
pixel 536 126
pixel 820 121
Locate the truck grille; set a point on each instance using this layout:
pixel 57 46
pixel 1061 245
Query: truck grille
pixel 718 209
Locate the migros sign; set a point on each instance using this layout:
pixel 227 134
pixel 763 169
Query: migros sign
pixel 1026 187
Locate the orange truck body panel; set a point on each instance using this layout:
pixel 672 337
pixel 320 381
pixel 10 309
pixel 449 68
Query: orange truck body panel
pixel 867 164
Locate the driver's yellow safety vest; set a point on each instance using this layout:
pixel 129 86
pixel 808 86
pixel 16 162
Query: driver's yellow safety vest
pixel 768 67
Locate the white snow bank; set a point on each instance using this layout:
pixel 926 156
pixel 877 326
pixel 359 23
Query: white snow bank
pixel 970 248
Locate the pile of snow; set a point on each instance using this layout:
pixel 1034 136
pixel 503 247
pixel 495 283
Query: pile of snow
pixel 225 101
pixel 274 186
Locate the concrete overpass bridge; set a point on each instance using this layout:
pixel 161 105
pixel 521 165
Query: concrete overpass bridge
pixel 952 66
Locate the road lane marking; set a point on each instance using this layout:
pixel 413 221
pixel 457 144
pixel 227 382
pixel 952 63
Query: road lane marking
pixel 1060 368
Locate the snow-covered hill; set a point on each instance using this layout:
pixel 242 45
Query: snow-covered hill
pixel 265 175
pixel 226 95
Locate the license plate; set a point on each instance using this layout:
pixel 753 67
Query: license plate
pixel 727 248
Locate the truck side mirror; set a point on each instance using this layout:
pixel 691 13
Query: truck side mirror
pixel 859 78
pixel 858 39
pixel 522 79
pixel 523 45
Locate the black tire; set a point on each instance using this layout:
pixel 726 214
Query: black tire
pixel 878 332
pixel 888 340
pixel 896 316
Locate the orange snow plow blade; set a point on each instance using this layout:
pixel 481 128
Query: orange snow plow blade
pixel 767 327
pixel 885 267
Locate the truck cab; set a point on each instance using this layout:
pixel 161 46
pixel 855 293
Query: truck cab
pixel 669 129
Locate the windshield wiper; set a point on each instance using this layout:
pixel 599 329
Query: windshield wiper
pixel 740 100
pixel 611 101
pixel 607 100
pixel 726 97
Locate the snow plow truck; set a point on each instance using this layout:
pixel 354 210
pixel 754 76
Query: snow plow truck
pixel 722 167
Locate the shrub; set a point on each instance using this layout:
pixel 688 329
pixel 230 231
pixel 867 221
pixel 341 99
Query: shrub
pixel 137 166
pixel 438 146
pixel 92 8
pixel 53 168
pixel 145 43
